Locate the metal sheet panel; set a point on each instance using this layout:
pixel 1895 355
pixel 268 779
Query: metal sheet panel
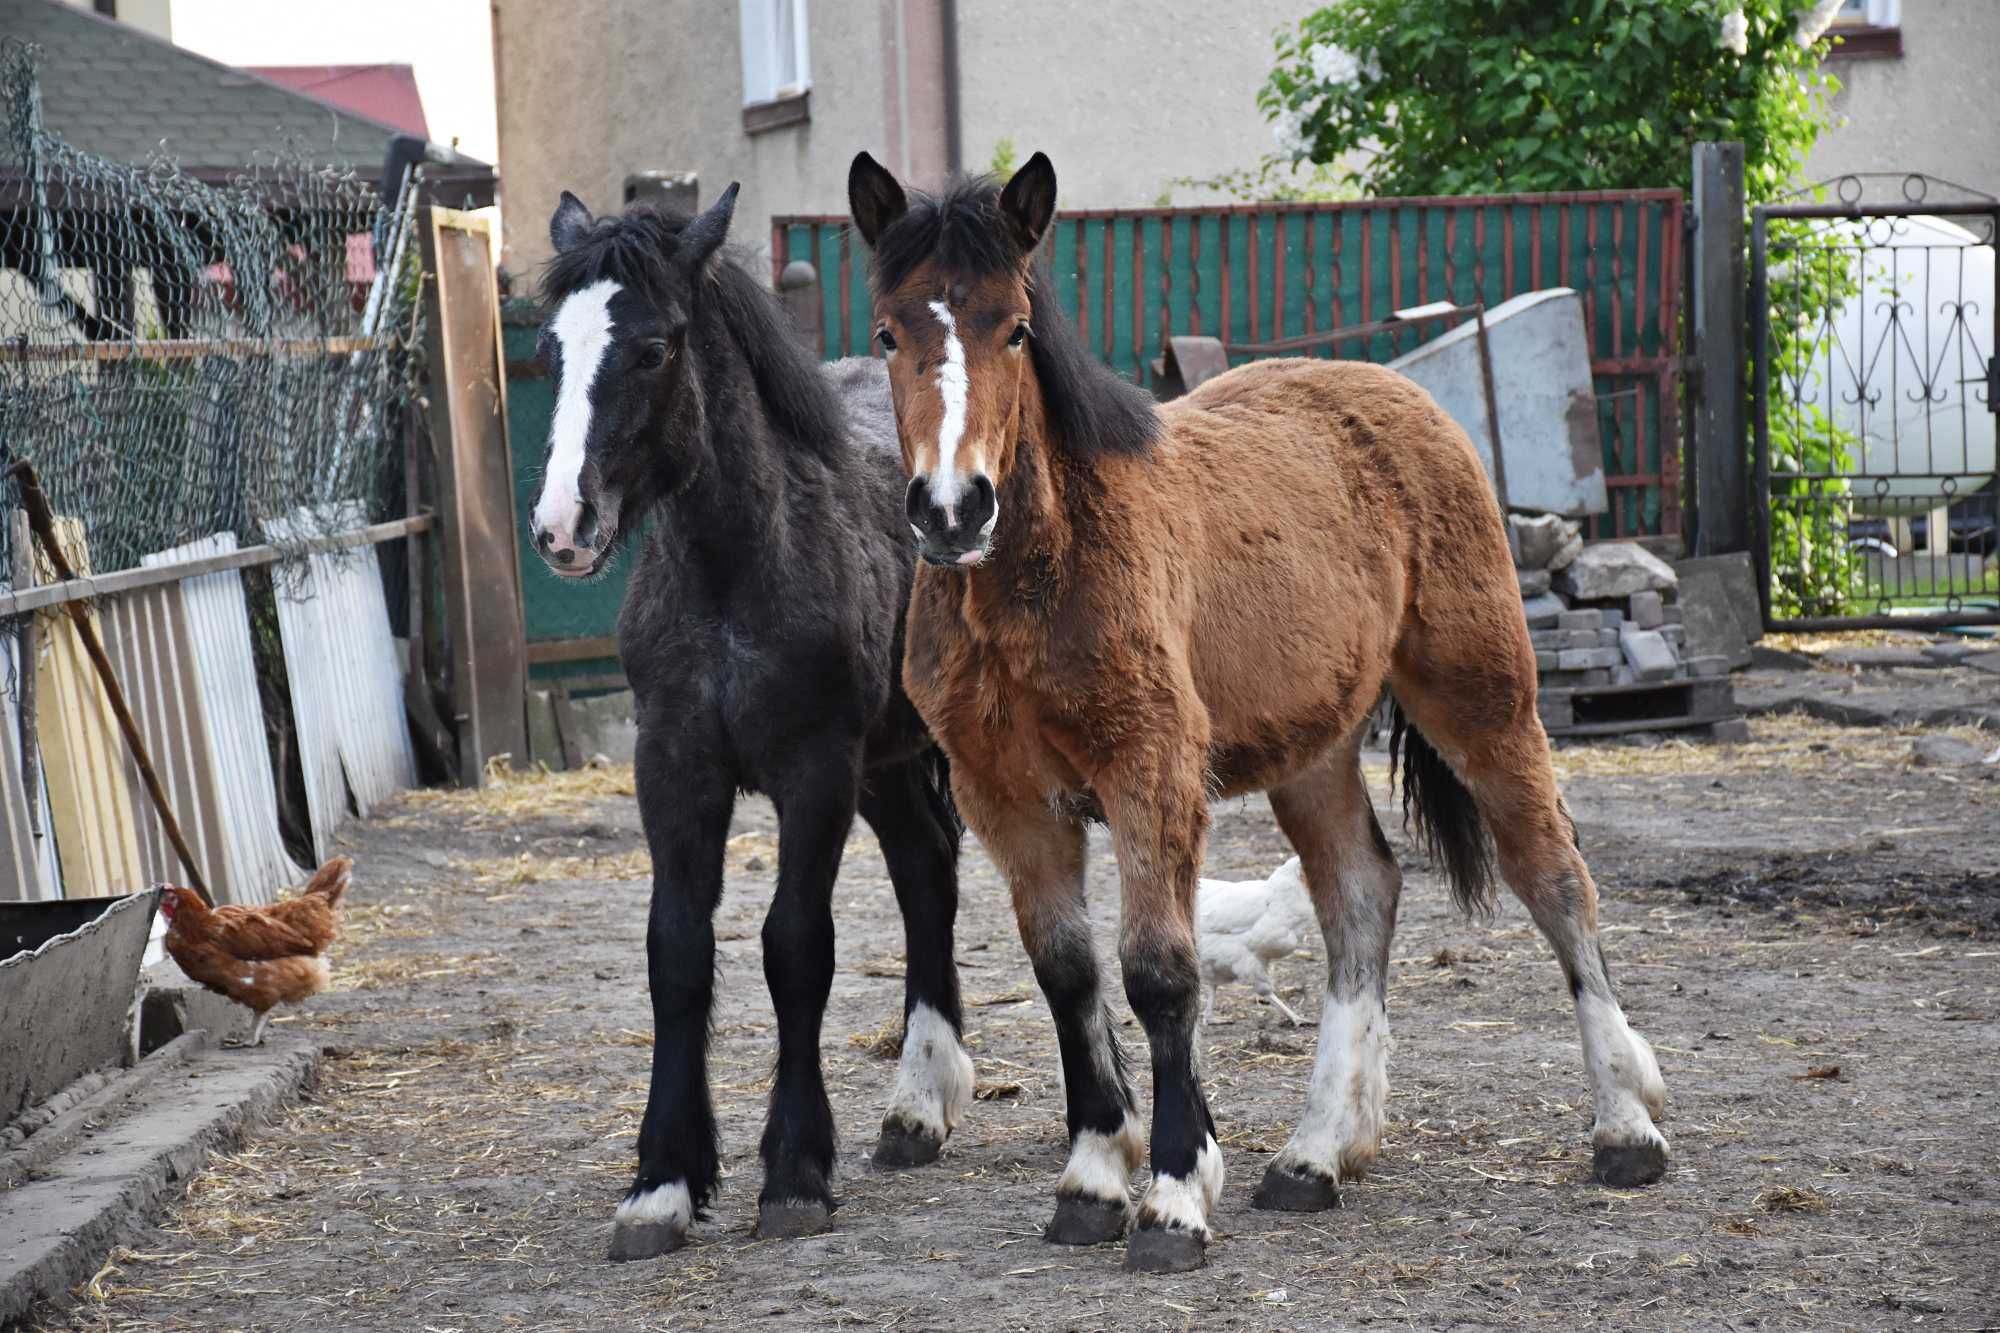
pixel 90 805
pixel 250 862
pixel 147 640
pixel 1542 391
pixel 346 682
pixel 28 868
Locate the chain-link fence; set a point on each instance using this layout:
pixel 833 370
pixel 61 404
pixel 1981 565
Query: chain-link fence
pixel 180 358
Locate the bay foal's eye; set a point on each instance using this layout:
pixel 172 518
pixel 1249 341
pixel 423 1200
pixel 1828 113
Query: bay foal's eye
pixel 653 355
pixel 1019 335
pixel 887 339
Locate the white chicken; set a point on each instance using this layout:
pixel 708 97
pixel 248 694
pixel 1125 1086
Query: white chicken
pixel 1246 925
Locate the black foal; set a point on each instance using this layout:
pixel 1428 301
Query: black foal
pixel 763 637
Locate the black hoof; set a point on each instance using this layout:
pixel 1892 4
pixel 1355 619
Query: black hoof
pixel 1622 1166
pixel 789 1221
pixel 903 1145
pixel 1165 1252
pixel 1285 1192
pixel 1084 1221
pixel 645 1240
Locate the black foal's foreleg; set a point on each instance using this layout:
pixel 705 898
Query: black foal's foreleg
pixel 813 821
pixel 934 1081
pixel 686 827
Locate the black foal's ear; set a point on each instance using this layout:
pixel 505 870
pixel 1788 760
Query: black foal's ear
pixel 873 197
pixel 1029 201
pixel 569 222
pixel 708 231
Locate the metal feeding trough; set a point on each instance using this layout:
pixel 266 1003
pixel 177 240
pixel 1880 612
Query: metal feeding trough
pixel 68 970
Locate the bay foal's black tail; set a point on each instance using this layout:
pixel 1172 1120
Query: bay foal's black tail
pixel 1445 817
pixel 937 792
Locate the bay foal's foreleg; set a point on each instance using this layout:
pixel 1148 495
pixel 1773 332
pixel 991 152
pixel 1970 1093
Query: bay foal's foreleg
pixel 919 840
pixel 1355 884
pixel 1502 756
pixel 815 812
pixel 1158 812
pixel 687 823
pixel 1042 855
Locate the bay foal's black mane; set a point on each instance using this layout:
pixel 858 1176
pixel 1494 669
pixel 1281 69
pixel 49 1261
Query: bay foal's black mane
pixel 640 251
pixel 1092 409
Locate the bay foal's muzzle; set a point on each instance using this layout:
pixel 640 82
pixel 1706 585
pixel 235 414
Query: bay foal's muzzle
pixel 955 530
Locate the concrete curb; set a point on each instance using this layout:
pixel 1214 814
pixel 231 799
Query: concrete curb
pixel 118 1178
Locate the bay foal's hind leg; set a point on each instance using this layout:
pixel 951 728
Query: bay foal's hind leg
pixel 1502 756
pixel 1042 855
pixel 1158 814
pixel 934 1081
pixel 815 812
pixel 1355 884
pixel 687 822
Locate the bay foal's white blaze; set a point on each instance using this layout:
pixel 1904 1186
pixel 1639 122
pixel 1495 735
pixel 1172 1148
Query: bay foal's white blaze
pixel 952 389
pixel 583 330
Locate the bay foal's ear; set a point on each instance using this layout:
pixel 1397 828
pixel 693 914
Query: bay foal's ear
pixel 873 197
pixel 1029 201
pixel 569 222
pixel 701 237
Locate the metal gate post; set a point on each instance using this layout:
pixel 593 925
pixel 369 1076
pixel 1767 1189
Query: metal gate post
pixel 1722 493
pixel 1760 339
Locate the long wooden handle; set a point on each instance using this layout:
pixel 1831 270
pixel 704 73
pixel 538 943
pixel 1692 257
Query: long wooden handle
pixel 42 520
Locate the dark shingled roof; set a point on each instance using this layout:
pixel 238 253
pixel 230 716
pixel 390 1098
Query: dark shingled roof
pixel 113 90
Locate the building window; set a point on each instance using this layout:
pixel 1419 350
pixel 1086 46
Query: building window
pixel 775 66
pixel 1868 28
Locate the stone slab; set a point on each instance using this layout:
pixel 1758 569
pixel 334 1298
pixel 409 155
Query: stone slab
pixel 1646 609
pixel 1543 610
pixel 1718 604
pixel 1647 653
pixel 121 1174
pixel 1586 659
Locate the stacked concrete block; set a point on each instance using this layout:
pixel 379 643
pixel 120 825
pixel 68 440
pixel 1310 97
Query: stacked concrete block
pixel 1606 617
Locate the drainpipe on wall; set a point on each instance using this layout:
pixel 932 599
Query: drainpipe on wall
pixel 954 135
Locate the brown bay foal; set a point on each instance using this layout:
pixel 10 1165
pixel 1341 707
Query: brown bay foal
pixel 1126 611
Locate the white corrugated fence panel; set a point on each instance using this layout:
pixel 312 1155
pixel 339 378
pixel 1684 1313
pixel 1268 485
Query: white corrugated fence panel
pixel 217 617
pixel 348 698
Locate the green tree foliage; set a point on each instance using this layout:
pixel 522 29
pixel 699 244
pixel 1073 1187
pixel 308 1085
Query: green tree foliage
pixel 1490 96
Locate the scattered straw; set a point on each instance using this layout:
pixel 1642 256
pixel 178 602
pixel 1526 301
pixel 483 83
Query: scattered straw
pixel 1792 1199
pixel 884 1042
pixel 513 793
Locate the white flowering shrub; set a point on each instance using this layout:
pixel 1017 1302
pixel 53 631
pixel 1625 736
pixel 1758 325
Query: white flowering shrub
pixel 1489 96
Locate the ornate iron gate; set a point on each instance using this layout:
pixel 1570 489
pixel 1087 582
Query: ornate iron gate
pixel 1873 341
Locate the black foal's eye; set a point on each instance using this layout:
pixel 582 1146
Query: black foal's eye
pixel 887 339
pixel 1019 335
pixel 653 355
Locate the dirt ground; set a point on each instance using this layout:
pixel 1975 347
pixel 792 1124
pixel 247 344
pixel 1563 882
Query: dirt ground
pixel 1806 926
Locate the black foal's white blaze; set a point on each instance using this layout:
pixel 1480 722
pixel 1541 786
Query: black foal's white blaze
pixel 583 331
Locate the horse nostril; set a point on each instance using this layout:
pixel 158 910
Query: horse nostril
pixel 981 506
pixel 586 525
pixel 917 502
pixel 544 539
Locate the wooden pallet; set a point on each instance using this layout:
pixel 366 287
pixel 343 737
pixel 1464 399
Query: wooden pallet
pixel 1613 710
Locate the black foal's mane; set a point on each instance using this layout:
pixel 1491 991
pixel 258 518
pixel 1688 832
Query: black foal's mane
pixel 1094 410
pixel 639 251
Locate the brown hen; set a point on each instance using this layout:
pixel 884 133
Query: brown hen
pixel 260 957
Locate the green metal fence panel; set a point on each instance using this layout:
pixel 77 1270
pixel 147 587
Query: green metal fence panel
pixel 1257 273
